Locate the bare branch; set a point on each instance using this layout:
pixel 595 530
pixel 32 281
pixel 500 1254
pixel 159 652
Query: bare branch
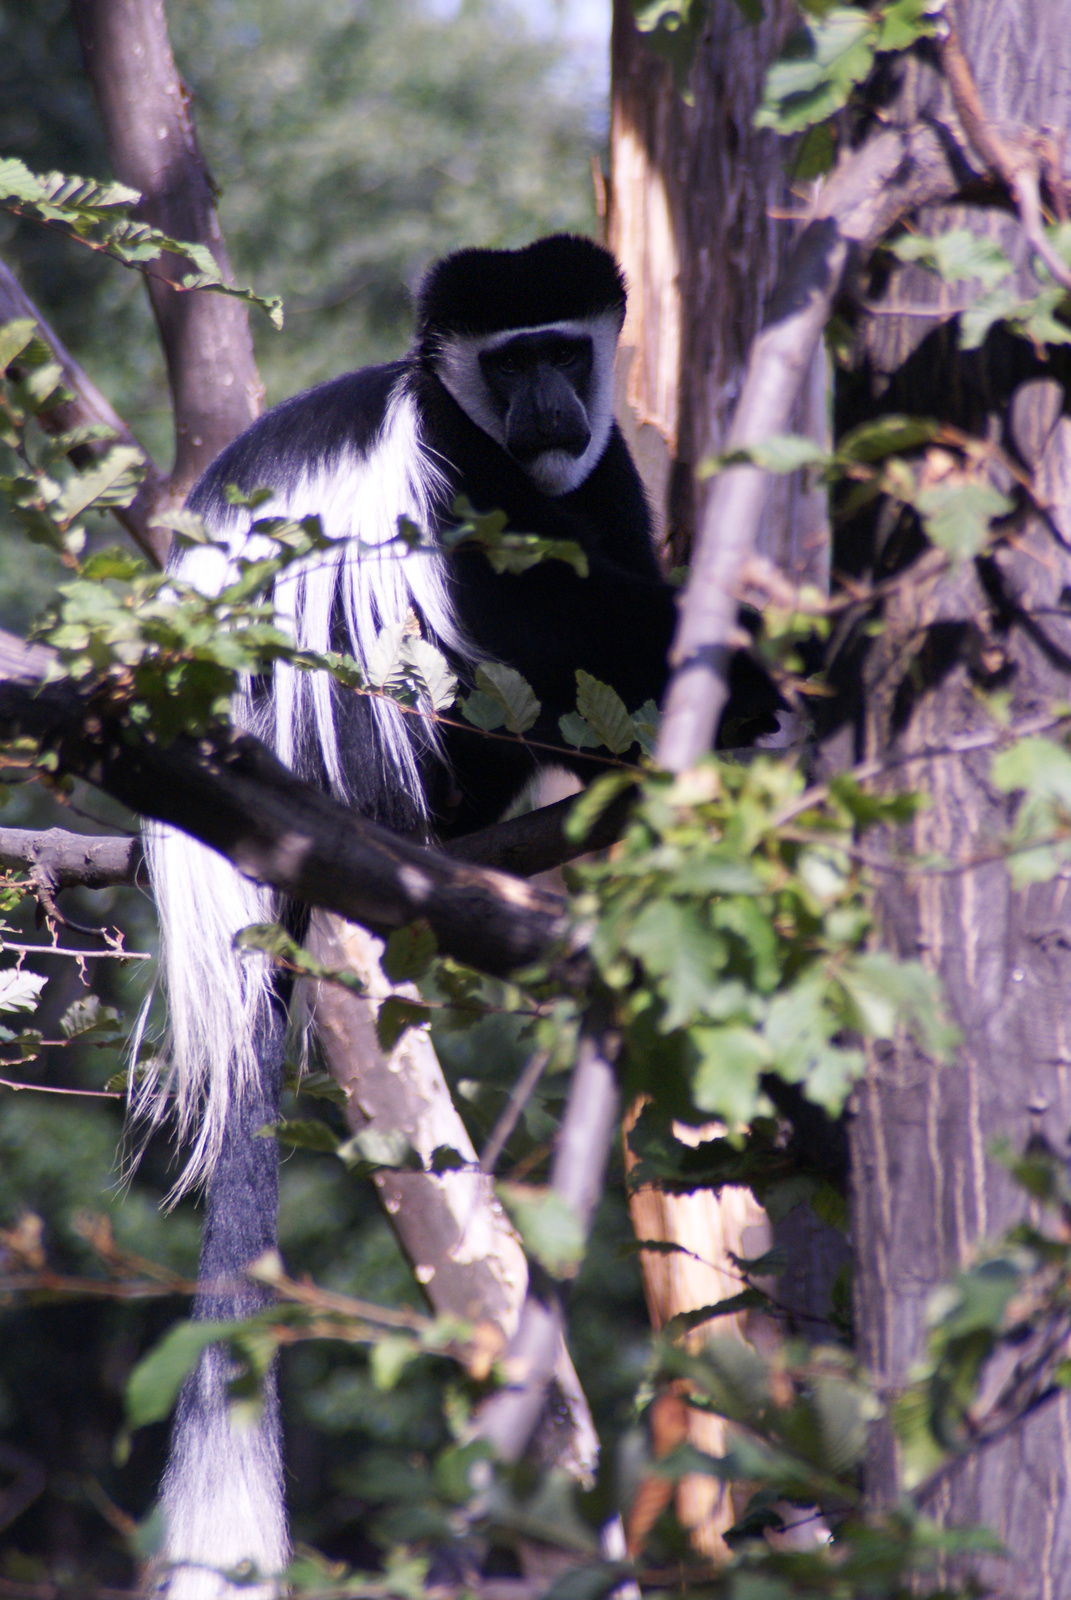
pixel 144 106
pixel 895 171
pixel 66 860
pixel 230 792
pixel 1018 162
pixel 88 406
pixel 510 1417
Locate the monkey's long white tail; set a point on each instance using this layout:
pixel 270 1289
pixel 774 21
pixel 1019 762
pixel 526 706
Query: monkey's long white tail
pixel 222 1495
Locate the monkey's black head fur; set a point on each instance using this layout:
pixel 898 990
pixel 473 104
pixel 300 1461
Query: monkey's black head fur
pixel 557 279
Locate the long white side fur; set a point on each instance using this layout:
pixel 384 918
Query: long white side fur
pixel 216 996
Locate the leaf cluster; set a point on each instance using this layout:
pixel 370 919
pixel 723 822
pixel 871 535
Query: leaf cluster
pixel 99 215
pixel 731 925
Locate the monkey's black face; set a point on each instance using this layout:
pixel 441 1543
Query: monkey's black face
pixel 545 394
pixel 540 386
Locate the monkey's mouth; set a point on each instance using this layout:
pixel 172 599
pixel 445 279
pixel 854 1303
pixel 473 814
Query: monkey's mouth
pixel 528 445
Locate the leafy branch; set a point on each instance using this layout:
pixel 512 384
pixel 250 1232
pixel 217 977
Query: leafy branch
pixel 98 215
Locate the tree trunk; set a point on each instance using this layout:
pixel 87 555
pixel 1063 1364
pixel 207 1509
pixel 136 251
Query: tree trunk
pixel 697 199
pixel 925 1187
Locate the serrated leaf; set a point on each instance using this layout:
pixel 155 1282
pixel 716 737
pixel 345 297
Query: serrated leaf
pixel 511 692
pixel 410 952
pixel 551 1230
pixel 14 337
pixel 818 70
pixel 483 711
pixel 577 733
pixel 956 255
pixel 593 802
pixel 395 1017
pixel 20 989
pixel 957 516
pixel 604 711
pixel 322 1086
pixel 725 1075
pixel 88 1019
pixel 433 671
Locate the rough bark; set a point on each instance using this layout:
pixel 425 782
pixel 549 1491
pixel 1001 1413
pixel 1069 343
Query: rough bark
pixel 926 1189
pixel 698 199
pixel 145 109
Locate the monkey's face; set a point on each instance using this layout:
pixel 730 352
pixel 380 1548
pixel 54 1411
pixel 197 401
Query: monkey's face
pixel 543 394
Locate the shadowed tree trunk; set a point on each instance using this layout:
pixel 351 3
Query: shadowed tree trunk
pixel 926 1188
pixel 699 202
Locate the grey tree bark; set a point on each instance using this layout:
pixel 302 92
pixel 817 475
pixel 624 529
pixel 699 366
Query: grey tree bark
pixel 926 1189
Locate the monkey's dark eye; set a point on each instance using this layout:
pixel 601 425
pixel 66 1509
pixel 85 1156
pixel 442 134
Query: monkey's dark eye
pixel 564 356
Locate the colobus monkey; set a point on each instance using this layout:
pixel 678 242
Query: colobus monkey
pixel 506 399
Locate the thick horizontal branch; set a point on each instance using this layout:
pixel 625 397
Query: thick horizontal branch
pixel 67 860
pixel 87 407
pixel 230 792
pixel 895 171
pixel 525 845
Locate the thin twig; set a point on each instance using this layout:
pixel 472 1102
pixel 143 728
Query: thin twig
pixel 520 1095
pixel 48 1088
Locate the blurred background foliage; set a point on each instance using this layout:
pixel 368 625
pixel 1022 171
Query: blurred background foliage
pixel 353 142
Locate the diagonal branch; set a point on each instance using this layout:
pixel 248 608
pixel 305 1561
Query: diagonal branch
pixel 895 171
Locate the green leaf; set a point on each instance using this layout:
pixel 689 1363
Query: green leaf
pixel 373 1148
pixel 153 1385
pixel 15 336
pixel 818 70
pixel 781 453
pixel 410 952
pixel 682 953
pixel 604 711
pixel 389 1357
pixel 902 22
pixel 725 1075
pixel 395 1017
pixel 957 516
pixel 550 1229
pixel 578 733
pixel 91 1021
pixel 97 214
pixel 956 255
pixel 593 802
pixel 510 692
pixel 302 1133
pixel 886 436
pixel 886 992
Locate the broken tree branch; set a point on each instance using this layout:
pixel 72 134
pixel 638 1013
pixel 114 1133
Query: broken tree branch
pixel 895 171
